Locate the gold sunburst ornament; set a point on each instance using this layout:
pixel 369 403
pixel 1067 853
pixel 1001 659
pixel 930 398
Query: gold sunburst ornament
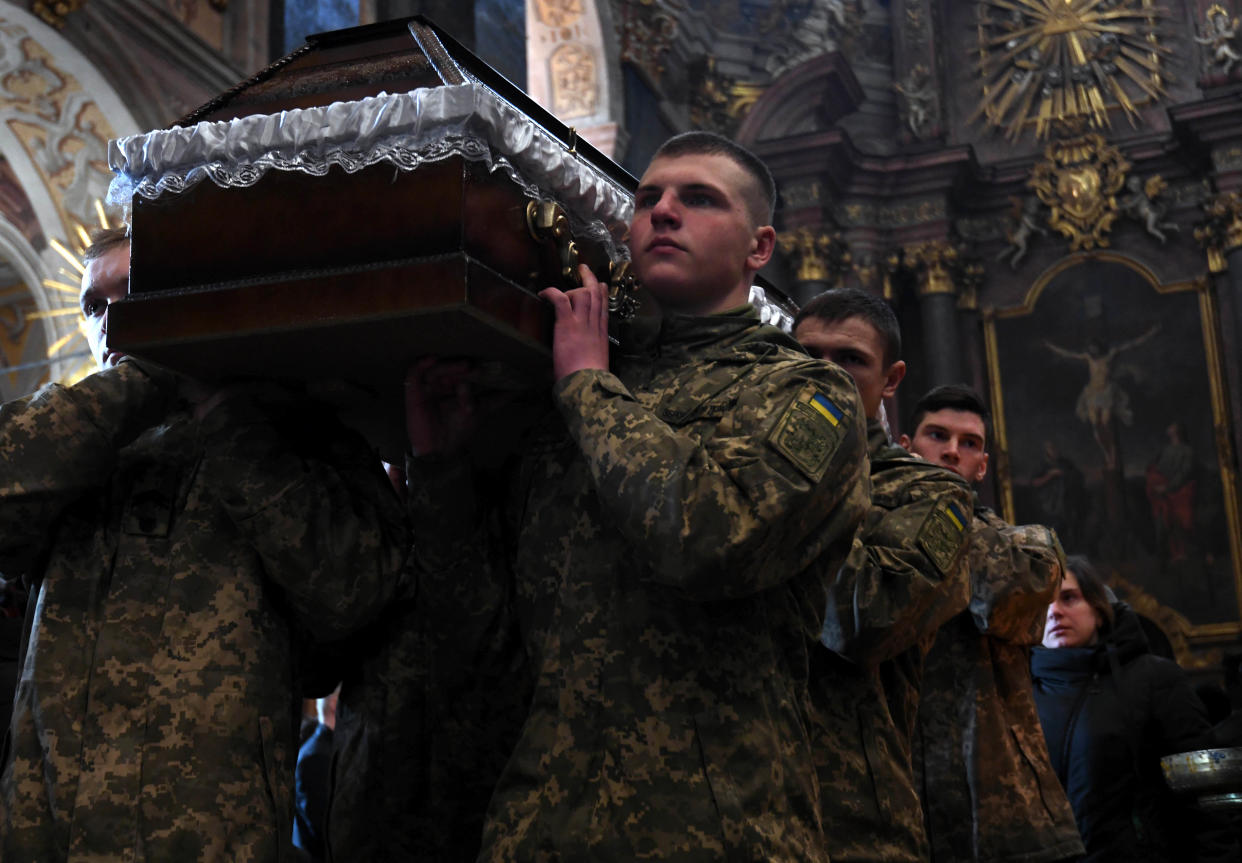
pixel 67 286
pixel 1046 60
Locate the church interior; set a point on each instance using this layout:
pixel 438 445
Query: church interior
pixel 1048 193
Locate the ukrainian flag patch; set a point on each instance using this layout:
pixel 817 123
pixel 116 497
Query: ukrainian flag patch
pixel 810 431
pixel 827 408
pixel 943 534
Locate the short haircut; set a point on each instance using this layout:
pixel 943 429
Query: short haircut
pixel 841 304
pixel 1093 589
pixel 762 200
pixel 955 397
pixel 104 240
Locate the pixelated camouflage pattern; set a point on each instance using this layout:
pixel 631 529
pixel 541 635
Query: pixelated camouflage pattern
pixel 434 697
pixel 661 552
pixel 156 711
pixel 988 789
pixel 885 605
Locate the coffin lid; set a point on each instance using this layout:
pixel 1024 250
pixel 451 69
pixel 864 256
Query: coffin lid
pixel 401 92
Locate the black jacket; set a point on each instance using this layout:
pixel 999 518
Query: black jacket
pixel 1109 712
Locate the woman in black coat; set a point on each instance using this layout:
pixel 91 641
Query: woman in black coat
pixel 1110 709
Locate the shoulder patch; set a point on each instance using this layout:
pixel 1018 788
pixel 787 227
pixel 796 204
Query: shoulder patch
pixel 944 534
pixel 810 431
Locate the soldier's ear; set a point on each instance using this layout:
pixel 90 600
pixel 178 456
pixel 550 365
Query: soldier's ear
pixel 762 245
pixel 904 442
pixel 893 377
pixel 983 469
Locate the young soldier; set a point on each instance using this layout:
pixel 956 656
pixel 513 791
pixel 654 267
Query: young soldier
pixel 988 790
pixel 175 552
pixel 905 575
pixel 673 527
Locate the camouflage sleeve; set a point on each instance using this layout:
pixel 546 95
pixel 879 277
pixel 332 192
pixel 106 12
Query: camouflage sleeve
pixel 460 561
pixel 61 442
pixel 1015 570
pixel 906 572
pixel 314 503
pixel 740 497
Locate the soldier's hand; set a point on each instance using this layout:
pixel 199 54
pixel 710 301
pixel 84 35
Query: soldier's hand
pixel 439 406
pixel 580 339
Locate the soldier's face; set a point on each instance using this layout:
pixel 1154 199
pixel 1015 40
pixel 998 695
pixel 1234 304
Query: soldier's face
pixel 105 281
pixel 857 347
pixel 693 240
pixel 1072 621
pixel 953 439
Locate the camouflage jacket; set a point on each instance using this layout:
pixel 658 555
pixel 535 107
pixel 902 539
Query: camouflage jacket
pixel 905 575
pixel 668 542
pixel 988 789
pixel 432 698
pixel 174 561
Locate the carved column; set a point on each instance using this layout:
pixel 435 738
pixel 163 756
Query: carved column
pixel 820 261
pixel 968 275
pixel 933 262
pixel 1220 234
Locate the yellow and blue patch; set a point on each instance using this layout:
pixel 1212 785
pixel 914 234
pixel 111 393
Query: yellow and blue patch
pixel 827 408
pixel 943 535
pixel 810 431
pixel 956 515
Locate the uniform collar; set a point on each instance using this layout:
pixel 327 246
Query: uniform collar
pixel 673 334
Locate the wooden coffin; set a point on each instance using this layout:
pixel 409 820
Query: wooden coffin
pixel 351 271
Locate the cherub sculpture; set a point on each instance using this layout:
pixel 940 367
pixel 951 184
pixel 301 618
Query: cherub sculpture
pixel 1139 203
pixel 920 93
pixel 1219 32
pixel 1024 221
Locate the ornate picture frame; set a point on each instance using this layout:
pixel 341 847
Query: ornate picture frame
pixel 1112 426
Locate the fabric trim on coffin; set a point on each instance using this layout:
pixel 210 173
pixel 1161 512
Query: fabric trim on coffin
pixel 403 129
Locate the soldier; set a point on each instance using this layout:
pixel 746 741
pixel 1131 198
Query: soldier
pixel 176 550
pixel 672 524
pixel 905 575
pixel 988 790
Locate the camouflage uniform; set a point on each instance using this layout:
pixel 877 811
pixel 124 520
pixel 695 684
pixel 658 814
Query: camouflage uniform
pixel 669 522
pixel 905 575
pixel 988 789
pixel 157 705
pixel 433 697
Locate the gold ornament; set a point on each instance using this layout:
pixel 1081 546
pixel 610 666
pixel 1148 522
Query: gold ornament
pixel 818 256
pixel 1078 181
pixel 1044 60
pixel 1220 232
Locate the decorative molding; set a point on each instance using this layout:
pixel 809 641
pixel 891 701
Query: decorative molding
pixel 1227 158
pixel 933 263
pixel 574 74
pixel 913 212
pixel 647 32
pixel 719 102
pixel 829 25
pixel 55 12
pixel 1078 181
pixel 1220 231
pixel 818 256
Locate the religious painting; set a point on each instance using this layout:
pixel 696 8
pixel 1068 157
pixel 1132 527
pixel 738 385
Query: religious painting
pixel 1112 428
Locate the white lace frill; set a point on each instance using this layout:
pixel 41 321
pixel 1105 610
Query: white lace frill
pixel 403 129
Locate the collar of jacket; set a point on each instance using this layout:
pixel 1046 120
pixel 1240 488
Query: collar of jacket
pixel 674 336
pixel 880 448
